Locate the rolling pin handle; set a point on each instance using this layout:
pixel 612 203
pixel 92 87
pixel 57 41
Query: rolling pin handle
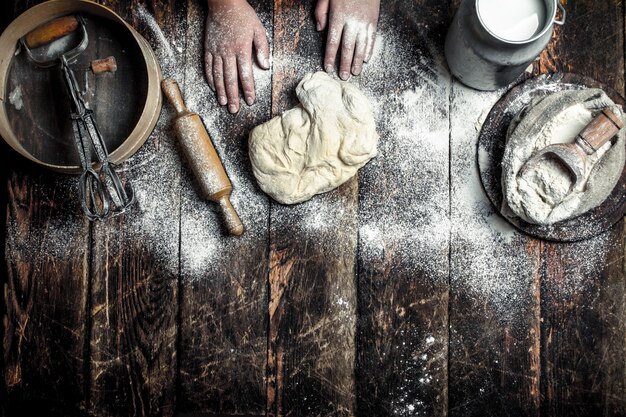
pixel 173 94
pixel 233 222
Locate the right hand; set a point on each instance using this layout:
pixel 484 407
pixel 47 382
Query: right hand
pixel 232 28
pixel 351 28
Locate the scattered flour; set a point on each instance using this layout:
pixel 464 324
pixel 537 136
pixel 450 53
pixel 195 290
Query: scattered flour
pixel 15 98
pixel 157 39
pixel 205 250
pixel 488 261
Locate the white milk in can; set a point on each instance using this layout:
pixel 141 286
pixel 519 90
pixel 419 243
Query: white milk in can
pixel 491 42
pixel 513 20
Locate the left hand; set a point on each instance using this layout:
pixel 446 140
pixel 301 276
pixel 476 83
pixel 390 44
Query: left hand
pixel 351 24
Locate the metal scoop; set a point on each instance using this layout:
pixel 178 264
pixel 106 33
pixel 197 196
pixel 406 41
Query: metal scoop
pixel 102 191
pixel 573 156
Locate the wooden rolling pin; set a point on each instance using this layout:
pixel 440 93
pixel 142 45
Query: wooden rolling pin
pixel 202 157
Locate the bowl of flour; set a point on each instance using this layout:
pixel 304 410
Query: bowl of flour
pixel 547 109
pixel 544 195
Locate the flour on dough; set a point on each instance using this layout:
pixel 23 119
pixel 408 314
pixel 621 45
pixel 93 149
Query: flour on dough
pixel 316 146
pixel 544 194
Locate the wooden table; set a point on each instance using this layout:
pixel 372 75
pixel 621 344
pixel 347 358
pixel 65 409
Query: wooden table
pixel 403 293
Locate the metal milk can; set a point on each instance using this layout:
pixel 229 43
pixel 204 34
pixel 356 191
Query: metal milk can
pixel 482 59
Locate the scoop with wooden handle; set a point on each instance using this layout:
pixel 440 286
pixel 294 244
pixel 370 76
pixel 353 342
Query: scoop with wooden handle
pixel 573 156
pixel 201 155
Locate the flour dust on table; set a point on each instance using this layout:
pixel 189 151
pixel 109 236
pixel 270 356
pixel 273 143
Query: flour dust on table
pixel 413 151
pixel 203 250
pixel 488 272
pixel 414 142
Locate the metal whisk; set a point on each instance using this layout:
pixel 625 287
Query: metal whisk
pixel 102 193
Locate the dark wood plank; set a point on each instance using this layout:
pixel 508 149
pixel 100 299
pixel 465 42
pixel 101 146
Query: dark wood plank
pixel 582 333
pixel 136 259
pixel 223 278
pixel 4 177
pixel 494 286
pixel 494 360
pixel 404 231
pixel 312 309
pixel 45 295
pixel 45 286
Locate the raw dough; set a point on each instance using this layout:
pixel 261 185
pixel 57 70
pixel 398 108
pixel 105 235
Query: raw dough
pixel 316 146
pixel 542 195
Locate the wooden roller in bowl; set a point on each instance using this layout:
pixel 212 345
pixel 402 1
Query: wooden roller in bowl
pixel 51 31
pixel 100 66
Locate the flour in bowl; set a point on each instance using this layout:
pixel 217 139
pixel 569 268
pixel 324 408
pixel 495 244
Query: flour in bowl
pixel 545 194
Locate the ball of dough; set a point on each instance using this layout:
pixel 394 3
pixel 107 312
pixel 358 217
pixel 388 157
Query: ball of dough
pixel 316 146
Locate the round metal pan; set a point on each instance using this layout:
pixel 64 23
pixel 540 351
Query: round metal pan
pixel 35 109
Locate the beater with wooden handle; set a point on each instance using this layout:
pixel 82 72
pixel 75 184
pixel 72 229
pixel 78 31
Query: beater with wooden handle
pixel 102 192
pixel 51 31
pixel 201 155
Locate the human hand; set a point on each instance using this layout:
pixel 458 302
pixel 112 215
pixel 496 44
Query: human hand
pixel 232 28
pixel 351 24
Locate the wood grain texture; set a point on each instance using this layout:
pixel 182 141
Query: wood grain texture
pixel 45 295
pixel 494 286
pixel 4 176
pixel 582 333
pixel 134 295
pixel 45 286
pixel 223 319
pixel 402 334
pixel 312 308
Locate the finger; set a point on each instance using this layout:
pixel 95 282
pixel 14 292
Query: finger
pixel 262 48
pixel 244 64
pixel 208 69
pixel 332 45
pixel 218 80
pixel 359 52
pixel 321 14
pixel 231 82
pixel 371 42
pixel 348 43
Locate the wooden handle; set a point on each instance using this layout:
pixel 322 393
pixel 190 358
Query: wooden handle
pixel 100 66
pixel 173 94
pixel 231 218
pixel 601 130
pixel 51 31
